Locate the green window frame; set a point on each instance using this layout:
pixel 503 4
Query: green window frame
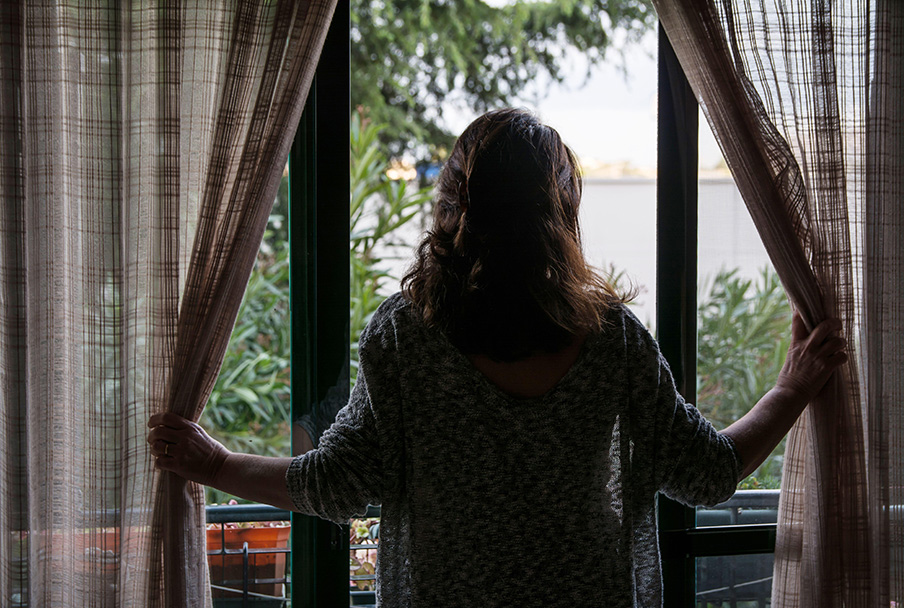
pixel 319 294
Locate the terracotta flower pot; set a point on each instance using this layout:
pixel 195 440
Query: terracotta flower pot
pixel 226 569
pixel 97 556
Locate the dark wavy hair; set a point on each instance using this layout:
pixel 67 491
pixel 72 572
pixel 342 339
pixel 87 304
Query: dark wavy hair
pixel 502 272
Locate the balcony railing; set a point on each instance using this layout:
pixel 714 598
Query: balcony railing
pixel 745 507
pixel 247 576
pixel 737 580
pixel 363 552
pixel 235 587
pixel 722 579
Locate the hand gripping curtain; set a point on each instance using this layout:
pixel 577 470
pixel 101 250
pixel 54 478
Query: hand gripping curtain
pixel 805 99
pixel 141 148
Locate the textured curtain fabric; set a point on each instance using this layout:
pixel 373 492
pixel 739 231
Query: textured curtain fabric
pixel 805 99
pixel 141 148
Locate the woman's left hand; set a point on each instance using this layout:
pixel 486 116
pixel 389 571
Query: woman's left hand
pixel 181 446
pixel 812 357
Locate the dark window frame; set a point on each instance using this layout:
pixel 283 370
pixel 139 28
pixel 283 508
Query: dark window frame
pixel 320 287
pixel 319 294
pixel 680 541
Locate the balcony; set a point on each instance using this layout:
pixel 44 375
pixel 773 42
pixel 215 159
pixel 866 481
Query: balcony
pixel 720 580
pixel 248 565
pixel 737 580
pixel 242 575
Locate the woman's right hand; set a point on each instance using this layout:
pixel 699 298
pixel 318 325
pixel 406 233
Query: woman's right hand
pixel 812 357
pixel 183 447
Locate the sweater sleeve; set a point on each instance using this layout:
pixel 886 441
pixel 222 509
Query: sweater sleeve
pixel 344 475
pixel 690 461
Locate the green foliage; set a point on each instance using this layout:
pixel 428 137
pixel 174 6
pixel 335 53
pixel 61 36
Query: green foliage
pixel 249 406
pixel 363 562
pixel 411 57
pixel 743 336
pixel 379 209
pixel 248 410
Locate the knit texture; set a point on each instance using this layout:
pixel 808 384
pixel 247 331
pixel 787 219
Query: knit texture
pixel 490 500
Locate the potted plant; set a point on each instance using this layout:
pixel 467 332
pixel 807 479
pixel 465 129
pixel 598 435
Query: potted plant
pixel 364 535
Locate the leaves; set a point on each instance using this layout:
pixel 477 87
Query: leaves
pixel 363 562
pixel 743 336
pixel 249 407
pixel 378 209
pixel 410 58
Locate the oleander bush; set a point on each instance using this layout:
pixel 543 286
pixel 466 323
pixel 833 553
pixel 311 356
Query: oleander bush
pixel 742 338
pixel 249 406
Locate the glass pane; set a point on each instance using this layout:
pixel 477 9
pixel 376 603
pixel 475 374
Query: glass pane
pixel 248 409
pixel 734 581
pixel 744 319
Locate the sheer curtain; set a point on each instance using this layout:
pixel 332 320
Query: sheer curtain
pixel 141 147
pixel 805 99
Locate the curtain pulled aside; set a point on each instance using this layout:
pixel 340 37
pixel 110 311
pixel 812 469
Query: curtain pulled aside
pixel 805 100
pixel 141 148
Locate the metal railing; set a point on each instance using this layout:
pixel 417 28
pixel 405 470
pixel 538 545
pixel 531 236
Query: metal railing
pixel 720 580
pixel 234 588
pixel 743 508
pixel 723 579
pixel 368 598
pixel 240 587
pixel 737 580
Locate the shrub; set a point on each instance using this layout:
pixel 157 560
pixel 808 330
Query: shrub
pixel 249 408
pixel 743 336
pixel 378 211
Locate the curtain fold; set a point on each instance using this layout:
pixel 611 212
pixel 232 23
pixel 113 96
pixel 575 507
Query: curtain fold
pixel 805 102
pixel 141 148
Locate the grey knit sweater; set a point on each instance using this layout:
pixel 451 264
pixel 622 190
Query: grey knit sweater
pixel 488 500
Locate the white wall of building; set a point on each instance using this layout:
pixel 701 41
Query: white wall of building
pixel 618 218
